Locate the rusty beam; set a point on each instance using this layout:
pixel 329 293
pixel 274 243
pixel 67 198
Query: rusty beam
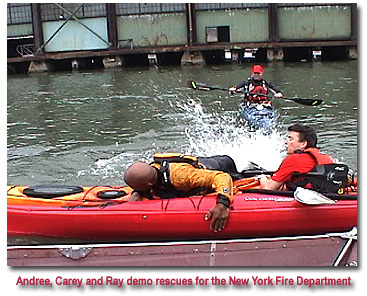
pixel 37 27
pixel 191 24
pixel 182 48
pixel 354 21
pixel 273 22
pixel 112 25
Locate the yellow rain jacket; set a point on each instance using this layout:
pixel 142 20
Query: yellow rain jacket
pixel 185 177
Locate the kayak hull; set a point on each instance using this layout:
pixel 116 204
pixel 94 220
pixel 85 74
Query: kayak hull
pixel 252 215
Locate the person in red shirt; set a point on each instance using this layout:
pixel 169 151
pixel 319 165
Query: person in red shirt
pixel 302 157
pixel 257 89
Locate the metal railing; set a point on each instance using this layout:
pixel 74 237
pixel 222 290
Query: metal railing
pixel 25 50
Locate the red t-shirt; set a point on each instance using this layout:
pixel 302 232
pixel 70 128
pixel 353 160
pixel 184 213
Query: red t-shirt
pixel 296 162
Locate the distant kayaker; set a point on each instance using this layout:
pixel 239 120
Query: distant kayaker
pixel 302 157
pixel 256 88
pixel 174 176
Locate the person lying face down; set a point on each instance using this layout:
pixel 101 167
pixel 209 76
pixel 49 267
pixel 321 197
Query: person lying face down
pixel 149 181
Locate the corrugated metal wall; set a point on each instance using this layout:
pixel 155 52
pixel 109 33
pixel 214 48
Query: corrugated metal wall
pixel 161 24
pixel 244 25
pixel 153 29
pixel 318 22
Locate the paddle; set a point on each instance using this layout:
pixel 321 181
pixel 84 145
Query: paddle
pixel 254 170
pixel 303 101
pixel 201 86
pixel 253 173
pixel 310 197
pixel 305 196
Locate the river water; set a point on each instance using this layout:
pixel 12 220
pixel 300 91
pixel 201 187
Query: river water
pixel 85 128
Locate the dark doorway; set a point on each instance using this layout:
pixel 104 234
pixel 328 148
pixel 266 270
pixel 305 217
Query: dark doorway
pixel 223 34
pixel 217 34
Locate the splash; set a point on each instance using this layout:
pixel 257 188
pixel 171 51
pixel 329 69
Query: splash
pixel 111 169
pixel 199 132
pixel 219 133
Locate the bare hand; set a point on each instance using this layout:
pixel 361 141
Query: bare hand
pixel 219 216
pixel 232 90
pixel 278 95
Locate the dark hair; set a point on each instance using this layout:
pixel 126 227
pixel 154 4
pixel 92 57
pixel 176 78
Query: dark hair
pixel 306 133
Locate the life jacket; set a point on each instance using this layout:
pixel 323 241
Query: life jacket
pixel 320 158
pixel 222 163
pixel 258 89
pixel 219 163
pixel 163 158
pixel 324 177
pixel 167 190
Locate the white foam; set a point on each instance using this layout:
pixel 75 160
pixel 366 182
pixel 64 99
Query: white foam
pixel 215 134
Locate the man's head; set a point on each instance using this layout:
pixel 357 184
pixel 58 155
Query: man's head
pixel 141 176
pixel 257 72
pixel 300 137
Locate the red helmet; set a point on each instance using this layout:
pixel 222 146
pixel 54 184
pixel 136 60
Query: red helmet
pixel 257 69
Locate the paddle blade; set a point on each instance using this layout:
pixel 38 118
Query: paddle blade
pixel 199 86
pixel 306 102
pixel 192 84
pixel 202 86
pixel 310 197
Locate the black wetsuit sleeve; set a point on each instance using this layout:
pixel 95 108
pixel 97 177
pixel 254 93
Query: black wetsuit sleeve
pixel 272 87
pixel 243 84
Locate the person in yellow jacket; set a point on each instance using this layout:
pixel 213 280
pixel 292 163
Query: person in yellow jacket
pixel 159 180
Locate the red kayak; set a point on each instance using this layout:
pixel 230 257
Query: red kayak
pixel 253 214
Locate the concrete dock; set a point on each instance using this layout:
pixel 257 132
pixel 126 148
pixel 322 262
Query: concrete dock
pixel 75 36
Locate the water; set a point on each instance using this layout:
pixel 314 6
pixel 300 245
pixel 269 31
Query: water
pixel 85 128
